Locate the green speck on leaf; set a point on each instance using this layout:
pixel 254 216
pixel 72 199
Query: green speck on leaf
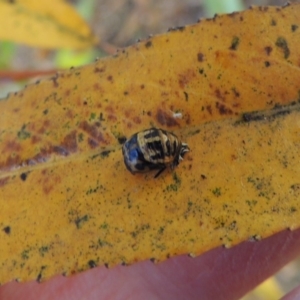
pixel 251 202
pixel 25 254
pixel 161 230
pixel 104 226
pixel 80 221
pixel 23 134
pixel 66 125
pixel 176 178
pixel 282 43
pixel 129 204
pixel 43 250
pixel 80 137
pixel 172 187
pixel 92 116
pixel 234 43
pixel 103 243
pixel 217 192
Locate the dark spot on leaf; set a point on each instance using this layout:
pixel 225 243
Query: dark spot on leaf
pixel 92 264
pixel 84 103
pixel 282 43
pixel 209 109
pixel 55 83
pixel 180 28
pixel 234 43
pixel 92 143
pixel 203 176
pixel 105 153
pixel 277 111
pixel 248 117
pixel 186 95
pixel 101 118
pixel 201 71
pixel 214 17
pixel 110 78
pixel 126 93
pixel 267 64
pixel 142 86
pixel 235 92
pixel 60 150
pixel 294 27
pixel 39 277
pixel 273 22
pixel 200 57
pixel 268 50
pixel 6 229
pixel 80 221
pixel 106 265
pixel 122 140
pixel 185 77
pixel 99 70
pixel 152 259
pixel 223 110
pixel 45 112
pixel 218 94
pixel 165 119
pixel 148 44
pixel 23 176
pixel 137 120
pixel 93 131
pixel 70 142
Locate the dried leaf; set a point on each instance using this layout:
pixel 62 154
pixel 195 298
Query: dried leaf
pixel 68 203
pixel 47 24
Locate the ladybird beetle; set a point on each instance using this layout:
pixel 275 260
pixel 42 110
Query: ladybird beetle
pixel 153 149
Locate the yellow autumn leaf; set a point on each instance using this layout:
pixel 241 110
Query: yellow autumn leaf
pixel 228 87
pixel 47 24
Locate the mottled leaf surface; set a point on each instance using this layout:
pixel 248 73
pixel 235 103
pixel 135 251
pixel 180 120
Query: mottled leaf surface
pixel 228 86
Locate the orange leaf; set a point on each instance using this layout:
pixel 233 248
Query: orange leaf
pixel 47 24
pixel 228 86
